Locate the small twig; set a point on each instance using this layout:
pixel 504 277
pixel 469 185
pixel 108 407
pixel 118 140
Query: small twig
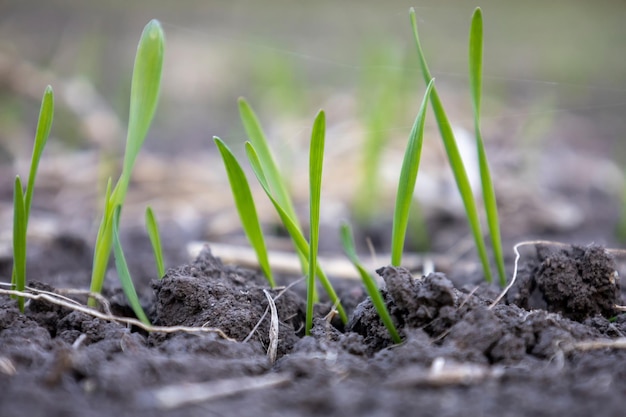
pixel 619 308
pixel 79 341
pixel 333 311
pixel 539 242
pixel 7 367
pixel 273 333
pixel 619 343
pixel 256 326
pixel 104 303
pixel 55 299
pixel 442 374
pixel 174 396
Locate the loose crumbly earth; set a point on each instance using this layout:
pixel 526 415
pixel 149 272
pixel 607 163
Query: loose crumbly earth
pixel 460 356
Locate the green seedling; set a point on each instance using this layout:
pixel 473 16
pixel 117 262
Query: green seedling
pixel 489 195
pixel 408 177
pixel 144 95
pixel 316 160
pixel 152 227
pixel 369 282
pixel 22 202
pixel 122 269
pixel 275 179
pixel 454 157
pixel 19 241
pixel 302 246
pixel 246 208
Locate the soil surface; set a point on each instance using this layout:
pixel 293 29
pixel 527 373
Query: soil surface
pixel 550 347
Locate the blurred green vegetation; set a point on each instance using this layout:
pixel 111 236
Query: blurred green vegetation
pixel 544 63
pixel 292 57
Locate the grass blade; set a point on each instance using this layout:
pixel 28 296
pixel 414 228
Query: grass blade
pixel 454 156
pixel 293 229
pixel 258 139
pixel 46 114
pixel 246 208
pixel 489 195
pixel 275 180
pixel 408 177
pixel 44 124
pixel 144 97
pixel 123 272
pixel 19 240
pixel 369 282
pixel 145 87
pixel 316 160
pixel 152 227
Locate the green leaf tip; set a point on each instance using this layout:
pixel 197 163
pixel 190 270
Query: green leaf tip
pixel 489 196
pixel 144 94
pixel 153 29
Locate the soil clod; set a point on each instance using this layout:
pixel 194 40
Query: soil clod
pixel 577 282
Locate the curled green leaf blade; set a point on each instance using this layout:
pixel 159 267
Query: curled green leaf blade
pixel 46 114
pixel 454 157
pixel 144 97
pixel 476 59
pixel 152 227
pixel 145 88
pixel 316 159
pixel 246 208
pixel 378 301
pixel 123 273
pixel 489 195
pixel 19 240
pixel 406 184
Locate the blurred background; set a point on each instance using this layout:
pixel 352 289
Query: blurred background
pixel 553 112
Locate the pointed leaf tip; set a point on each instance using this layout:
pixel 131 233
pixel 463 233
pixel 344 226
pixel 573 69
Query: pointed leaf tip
pixel 154 29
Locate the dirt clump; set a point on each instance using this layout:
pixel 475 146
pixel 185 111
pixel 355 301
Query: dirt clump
pixel 577 282
pixel 456 349
pixel 207 293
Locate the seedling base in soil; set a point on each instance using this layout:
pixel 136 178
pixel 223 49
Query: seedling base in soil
pixel 459 356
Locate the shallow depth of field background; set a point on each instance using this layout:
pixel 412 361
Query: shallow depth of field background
pixel 554 73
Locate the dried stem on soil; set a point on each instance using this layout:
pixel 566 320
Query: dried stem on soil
pixel 175 396
pixel 271 351
pixel 56 299
pixel 254 329
pixel 619 343
pixel 441 374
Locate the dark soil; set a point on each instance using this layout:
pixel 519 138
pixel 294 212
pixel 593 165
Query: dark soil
pixel 527 355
